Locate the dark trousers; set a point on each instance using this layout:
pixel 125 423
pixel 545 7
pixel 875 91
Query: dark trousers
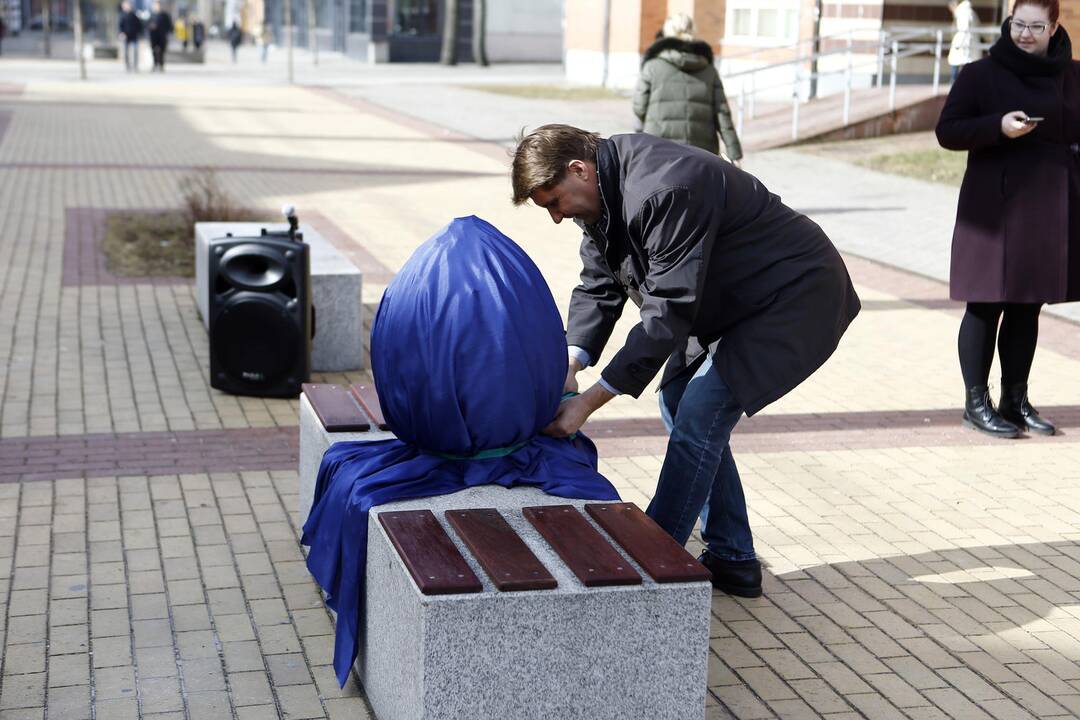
pixel 159 55
pixel 1016 339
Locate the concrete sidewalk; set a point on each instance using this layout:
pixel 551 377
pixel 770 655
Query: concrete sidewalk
pixel 149 556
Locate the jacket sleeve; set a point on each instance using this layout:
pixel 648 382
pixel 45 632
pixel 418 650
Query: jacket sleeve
pixel 723 119
pixel 673 225
pixel 962 125
pixel 642 92
pixel 595 305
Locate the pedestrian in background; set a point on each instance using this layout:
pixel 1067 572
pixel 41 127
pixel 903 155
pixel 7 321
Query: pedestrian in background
pixel 3 29
pixel 679 95
pixel 160 27
pixel 266 39
pixel 198 33
pixel 131 29
pixel 1017 239
pixel 962 48
pixel 181 30
pixel 235 38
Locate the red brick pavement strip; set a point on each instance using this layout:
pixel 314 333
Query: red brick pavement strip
pixel 202 451
pixel 359 171
pixel 149 453
pixel 84 254
pixel 824 431
pixel 12 88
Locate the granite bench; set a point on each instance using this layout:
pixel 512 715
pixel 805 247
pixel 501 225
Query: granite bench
pixel 338 344
pixel 497 603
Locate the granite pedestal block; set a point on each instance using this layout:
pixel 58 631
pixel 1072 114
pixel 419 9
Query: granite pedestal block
pixel 636 651
pixel 335 292
pixel 314 442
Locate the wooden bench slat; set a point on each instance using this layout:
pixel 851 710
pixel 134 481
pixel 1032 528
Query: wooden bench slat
pixel 584 550
pixel 433 560
pixel 336 408
pixel 369 401
pixel 665 560
pixel 502 553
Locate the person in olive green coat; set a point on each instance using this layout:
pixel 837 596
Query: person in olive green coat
pixel 679 95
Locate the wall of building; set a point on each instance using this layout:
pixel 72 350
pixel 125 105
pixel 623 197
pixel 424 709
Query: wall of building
pixel 1070 18
pixel 633 26
pixel 525 30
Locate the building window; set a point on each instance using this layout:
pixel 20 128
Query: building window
pixel 357 16
pixel 416 17
pixel 770 22
pixel 741 22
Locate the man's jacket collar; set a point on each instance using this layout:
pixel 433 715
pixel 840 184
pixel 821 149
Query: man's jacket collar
pixel 607 174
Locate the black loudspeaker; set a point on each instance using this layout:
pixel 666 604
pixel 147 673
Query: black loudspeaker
pixel 261 317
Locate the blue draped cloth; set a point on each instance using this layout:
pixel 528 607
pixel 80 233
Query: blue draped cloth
pixel 468 354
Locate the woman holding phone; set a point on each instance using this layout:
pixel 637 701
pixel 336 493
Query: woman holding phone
pixel 1016 244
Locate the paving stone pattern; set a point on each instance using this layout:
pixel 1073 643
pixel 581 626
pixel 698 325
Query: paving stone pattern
pixel 149 556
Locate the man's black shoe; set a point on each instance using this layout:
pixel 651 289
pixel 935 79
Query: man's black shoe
pixel 735 577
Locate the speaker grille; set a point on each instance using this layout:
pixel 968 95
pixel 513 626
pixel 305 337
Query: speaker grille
pixel 255 340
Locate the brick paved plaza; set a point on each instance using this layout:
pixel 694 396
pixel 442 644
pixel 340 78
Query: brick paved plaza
pixel 149 556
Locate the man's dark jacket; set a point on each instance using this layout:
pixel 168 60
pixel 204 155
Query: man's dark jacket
pixel 712 259
pixel 131 26
pixel 161 25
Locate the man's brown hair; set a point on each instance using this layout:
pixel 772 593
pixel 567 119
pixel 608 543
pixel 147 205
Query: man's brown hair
pixel 541 157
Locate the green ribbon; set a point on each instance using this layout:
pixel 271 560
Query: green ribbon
pixel 503 451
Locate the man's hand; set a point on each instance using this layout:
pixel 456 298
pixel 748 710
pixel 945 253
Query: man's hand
pixel 571 384
pixel 574 412
pixel 1014 125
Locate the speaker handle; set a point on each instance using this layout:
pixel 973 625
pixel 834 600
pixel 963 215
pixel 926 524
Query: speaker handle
pixel 289 211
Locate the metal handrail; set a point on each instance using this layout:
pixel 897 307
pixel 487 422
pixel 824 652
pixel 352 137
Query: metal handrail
pixel 891 46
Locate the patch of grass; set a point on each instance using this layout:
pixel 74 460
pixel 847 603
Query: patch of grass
pixel 162 244
pixel 550 92
pixel 149 244
pixel 915 155
pixel 941 166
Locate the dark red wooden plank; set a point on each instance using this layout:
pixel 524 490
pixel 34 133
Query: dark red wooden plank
pixel 433 560
pixel 665 560
pixel 505 557
pixel 336 408
pixel 584 550
pixel 369 401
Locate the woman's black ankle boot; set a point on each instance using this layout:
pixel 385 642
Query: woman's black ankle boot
pixel 979 413
pixel 1015 408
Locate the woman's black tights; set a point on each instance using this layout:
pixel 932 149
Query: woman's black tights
pixel 1015 342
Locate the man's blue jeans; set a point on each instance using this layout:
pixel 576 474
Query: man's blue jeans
pixel 131 55
pixel 699 476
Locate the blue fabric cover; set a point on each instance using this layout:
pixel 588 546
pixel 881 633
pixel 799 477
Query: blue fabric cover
pixel 468 353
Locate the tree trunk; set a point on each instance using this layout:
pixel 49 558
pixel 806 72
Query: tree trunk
pixel 479 38
pixel 313 38
pixel 287 24
pixel 450 30
pixel 80 55
pixel 46 27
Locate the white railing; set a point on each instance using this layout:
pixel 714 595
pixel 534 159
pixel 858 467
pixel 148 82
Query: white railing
pixel 873 58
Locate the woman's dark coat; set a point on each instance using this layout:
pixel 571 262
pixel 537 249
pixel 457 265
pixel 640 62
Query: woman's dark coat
pixel 712 259
pixel 679 96
pixel 1017 236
